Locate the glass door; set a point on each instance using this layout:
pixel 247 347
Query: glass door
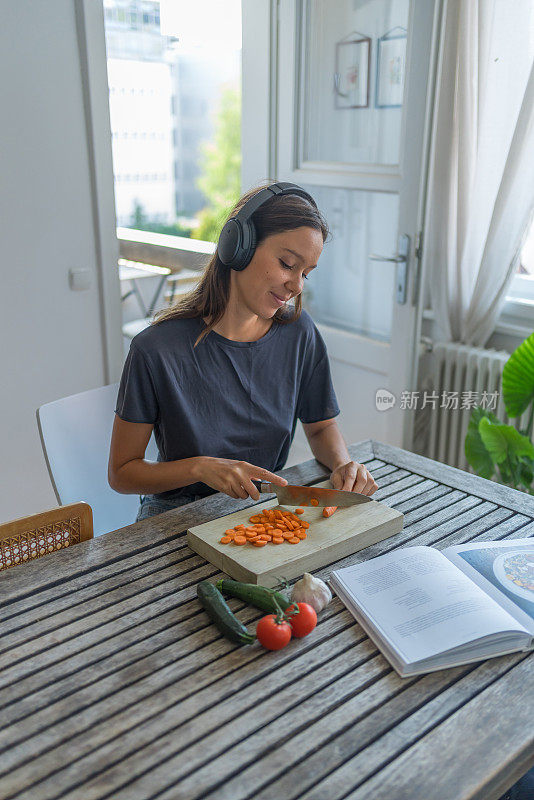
pixel 353 89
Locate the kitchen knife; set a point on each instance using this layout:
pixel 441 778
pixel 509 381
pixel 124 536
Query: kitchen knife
pixel 301 495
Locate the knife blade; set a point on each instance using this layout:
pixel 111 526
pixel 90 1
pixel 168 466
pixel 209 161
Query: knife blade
pixel 302 495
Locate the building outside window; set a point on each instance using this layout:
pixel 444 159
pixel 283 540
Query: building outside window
pixel 174 74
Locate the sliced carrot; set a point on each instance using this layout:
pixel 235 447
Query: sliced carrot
pixel 304 524
pixel 301 534
pixel 299 511
pixel 260 542
pixel 239 527
pixel 294 540
pixel 277 540
pixel 329 510
pixel 288 535
pixel 314 502
pixel 225 540
pixel 240 540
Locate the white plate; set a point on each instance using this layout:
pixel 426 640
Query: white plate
pixel 500 573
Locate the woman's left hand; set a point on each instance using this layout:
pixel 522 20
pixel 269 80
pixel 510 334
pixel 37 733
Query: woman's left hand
pixel 353 477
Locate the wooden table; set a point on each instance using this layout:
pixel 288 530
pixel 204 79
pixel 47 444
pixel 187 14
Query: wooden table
pixel 113 683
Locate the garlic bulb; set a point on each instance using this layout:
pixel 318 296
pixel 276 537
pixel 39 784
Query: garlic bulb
pixel 311 590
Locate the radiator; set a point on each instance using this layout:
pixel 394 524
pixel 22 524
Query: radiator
pixel 462 369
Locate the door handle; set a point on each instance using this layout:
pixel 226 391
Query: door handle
pixel 401 260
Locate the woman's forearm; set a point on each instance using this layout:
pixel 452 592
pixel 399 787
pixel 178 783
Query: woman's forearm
pixel 328 447
pixel 139 476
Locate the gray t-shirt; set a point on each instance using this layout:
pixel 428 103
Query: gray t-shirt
pixel 236 400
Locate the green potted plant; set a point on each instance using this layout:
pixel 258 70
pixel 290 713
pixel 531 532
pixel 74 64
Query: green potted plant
pixel 490 445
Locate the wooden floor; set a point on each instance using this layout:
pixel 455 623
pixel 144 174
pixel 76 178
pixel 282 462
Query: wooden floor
pixel 114 684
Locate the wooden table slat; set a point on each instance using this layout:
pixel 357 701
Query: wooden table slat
pixel 35 607
pixel 172 652
pixel 429 526
pixel 370 739
pixel 164 705
pixel 510 740
pixel 129 728
pixel 97 598
pixel 106 622
pixel 457 478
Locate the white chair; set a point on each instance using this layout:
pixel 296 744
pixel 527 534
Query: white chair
pixel 75 434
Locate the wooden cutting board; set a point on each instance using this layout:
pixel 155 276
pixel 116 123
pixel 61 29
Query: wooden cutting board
pixel 329 539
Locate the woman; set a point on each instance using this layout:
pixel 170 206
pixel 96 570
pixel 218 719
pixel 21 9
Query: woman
pixel 223 376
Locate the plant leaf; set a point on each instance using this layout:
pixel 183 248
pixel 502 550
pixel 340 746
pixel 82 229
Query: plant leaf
pixel 526 472
pixel 475 450
pixel 518 379
pixel 503 442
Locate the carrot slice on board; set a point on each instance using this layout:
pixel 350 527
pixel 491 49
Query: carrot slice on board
pixel 299 511
pixel 314 502
pixel 294 540
pixel 329 510
pixel 277 540
pixel 260 542
pixel 225 540
pixel 240 540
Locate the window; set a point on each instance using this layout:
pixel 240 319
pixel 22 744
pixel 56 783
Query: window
pixel 177 67
pixel 522 285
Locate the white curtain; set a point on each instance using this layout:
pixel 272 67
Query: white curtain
pixel 481 179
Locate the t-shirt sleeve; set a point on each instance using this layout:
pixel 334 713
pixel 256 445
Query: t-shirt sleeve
pixel 137 401
pixel 317 397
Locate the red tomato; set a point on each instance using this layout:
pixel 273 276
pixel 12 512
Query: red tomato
pixel 304 622
pixel 272 634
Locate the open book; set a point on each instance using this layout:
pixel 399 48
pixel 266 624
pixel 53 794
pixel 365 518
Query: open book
pixel 427 609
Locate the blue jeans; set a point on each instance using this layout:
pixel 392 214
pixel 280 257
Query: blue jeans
pixel 152 505
pixel 523 789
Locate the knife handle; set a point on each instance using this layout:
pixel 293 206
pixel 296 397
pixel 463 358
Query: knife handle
pixel 264 487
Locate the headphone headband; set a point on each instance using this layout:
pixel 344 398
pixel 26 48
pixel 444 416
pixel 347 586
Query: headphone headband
pixel 237 241
pixel 252 205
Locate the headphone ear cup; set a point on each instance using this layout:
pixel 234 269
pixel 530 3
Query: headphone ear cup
pixel 244 257
pixel 229 244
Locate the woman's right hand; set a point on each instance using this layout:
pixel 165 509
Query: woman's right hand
pixel 234 478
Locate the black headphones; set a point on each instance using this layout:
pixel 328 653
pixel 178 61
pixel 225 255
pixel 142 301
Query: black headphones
pixel 237 241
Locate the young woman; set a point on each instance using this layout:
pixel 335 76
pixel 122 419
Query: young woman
pixel 223 376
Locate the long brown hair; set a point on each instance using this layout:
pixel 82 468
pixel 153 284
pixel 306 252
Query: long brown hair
pixel 210 296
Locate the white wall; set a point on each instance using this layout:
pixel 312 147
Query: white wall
pixel 53 338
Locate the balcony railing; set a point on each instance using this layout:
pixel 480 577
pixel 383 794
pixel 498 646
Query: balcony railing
pixel 177 253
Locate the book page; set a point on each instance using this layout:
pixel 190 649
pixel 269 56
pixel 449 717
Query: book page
pixel 422 603
pixel 504 570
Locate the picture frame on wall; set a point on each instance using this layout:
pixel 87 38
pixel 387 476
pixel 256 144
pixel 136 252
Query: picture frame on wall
pixel 352 71
pixel 390 68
